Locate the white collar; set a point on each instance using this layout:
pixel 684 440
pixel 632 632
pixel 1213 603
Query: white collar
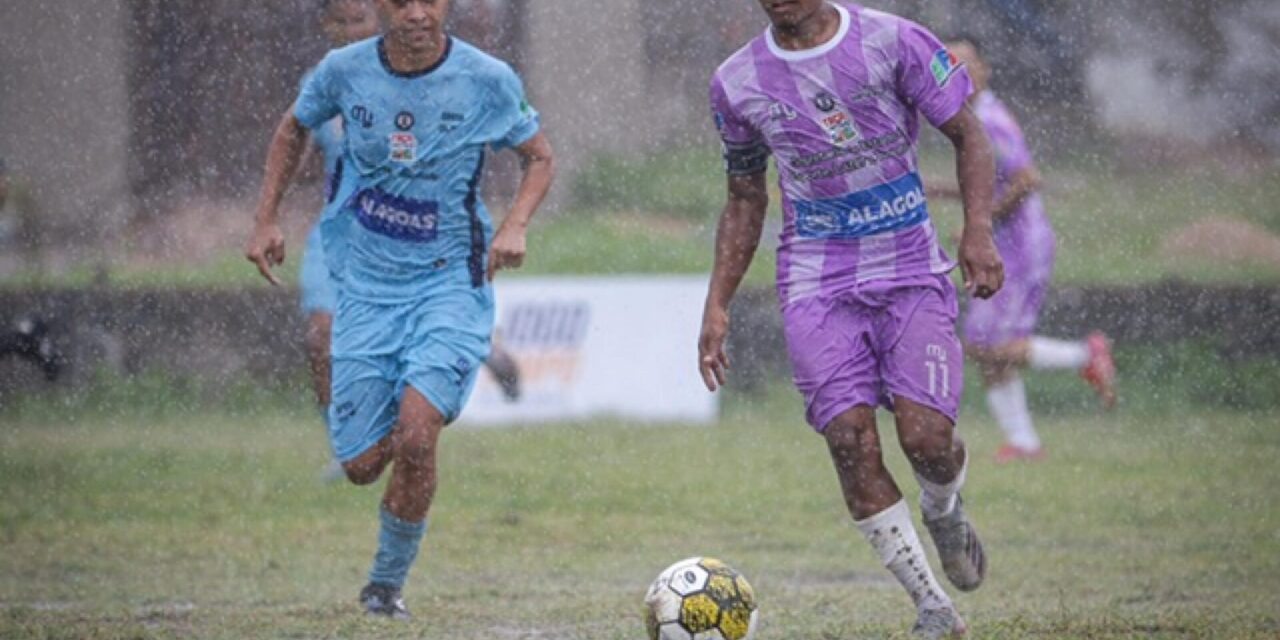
pixel 805 54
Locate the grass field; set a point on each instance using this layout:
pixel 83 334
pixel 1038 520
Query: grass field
pixel 212 524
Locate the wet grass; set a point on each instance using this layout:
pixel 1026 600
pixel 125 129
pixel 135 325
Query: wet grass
pixel 213 524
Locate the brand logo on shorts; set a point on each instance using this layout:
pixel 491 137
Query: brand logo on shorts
pixel 404 121
pixel 824 102
pixel 344 411
pixel 363 115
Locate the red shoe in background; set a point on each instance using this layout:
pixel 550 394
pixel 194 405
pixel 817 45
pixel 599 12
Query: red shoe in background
pixel 1100 373
pixel 1012 453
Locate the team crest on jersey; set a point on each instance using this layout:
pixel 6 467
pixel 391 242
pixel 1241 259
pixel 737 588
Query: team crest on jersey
pixel 404 121
pixel 404 147
pixel 825 102
pixel 840 128
pixel 944 65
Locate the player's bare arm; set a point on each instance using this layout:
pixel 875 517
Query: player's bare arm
pixel 737 237
pixel 1022 185
pixel 975 167
pixel 537 164
pixel 266 245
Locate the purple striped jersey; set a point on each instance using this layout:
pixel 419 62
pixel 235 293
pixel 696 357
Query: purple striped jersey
pixel 1024 236
pixel 841 121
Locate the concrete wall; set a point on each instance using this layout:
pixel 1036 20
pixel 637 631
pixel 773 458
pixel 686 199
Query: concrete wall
pixel 584 68
pixel 64 116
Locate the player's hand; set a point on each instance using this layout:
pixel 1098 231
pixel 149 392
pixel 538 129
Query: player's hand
pixel 980 262
pixel 508 249
pixel 713 362
pixel 266 249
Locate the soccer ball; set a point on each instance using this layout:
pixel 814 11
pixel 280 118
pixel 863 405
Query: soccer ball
pixel 700 599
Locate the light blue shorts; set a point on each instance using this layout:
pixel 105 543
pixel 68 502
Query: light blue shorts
pixel 435 344
pixel 318 292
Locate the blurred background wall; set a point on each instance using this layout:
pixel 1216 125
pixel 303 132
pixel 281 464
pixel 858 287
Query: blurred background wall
pixel 118 111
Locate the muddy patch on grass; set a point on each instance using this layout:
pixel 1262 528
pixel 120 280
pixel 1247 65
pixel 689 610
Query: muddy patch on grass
pixel 1223 240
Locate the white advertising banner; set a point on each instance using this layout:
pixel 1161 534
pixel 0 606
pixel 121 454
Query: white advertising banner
pixel 592 347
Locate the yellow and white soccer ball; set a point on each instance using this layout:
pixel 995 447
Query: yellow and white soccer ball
pixel 700 599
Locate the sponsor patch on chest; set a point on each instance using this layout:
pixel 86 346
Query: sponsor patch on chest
pixel 840 128
pixel 397 217
pixel 403 146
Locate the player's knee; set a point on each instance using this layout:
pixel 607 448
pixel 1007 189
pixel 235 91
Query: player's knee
pixel 852 439
pixel 416 445
pixel 318 337
pixel 925 442
pixel 361 475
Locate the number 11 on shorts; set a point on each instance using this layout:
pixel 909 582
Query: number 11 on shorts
pixel 939 373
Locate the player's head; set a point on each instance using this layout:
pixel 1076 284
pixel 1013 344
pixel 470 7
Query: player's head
pixel 347 21
pixel 416 25
pixel 970 54
pixel 788 14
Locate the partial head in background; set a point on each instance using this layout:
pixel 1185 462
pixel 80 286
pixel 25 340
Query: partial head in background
pixel 415 26
pixel 969 51
pixel 347 21
pixel 790 14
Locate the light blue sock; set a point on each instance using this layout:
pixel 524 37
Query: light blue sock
pixel 398 543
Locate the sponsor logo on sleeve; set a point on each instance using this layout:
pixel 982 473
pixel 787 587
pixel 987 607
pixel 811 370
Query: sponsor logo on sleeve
pixel 944 66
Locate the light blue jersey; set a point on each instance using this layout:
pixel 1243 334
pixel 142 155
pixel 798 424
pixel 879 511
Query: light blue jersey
pixel 407 235
pixel 408 203
pixel 318 294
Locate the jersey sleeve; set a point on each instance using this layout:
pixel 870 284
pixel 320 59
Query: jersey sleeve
pixel 515 120
pixel 929 77
pixel 745 150
pixel 317 102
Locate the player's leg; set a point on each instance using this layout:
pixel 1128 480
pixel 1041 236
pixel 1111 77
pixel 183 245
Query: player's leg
pixel 318 301
pixel 835 370
pixel 405 503
pixel 1090 356
pixel 883 517
pixel 505 370
pixel 319 331
pixel 1006 397
pixel 923 370
pixel 448 339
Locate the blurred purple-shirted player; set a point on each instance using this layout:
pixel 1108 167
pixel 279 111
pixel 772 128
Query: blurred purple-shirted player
pixel 834 92
pixel 998 333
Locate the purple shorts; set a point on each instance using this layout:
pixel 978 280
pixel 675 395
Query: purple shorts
pixel 878 341
pixel 1012 313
